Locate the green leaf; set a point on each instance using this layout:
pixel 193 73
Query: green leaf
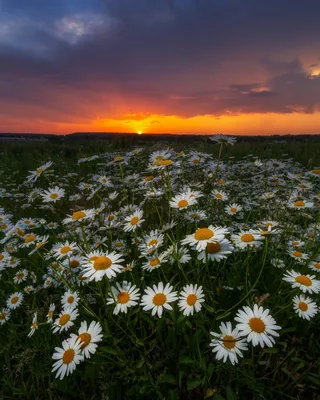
pixel 272 350
pixel 230 393
pixel 292 329
pixel 110 350
pixel 167 378
pixel 193 384
pixel 185 360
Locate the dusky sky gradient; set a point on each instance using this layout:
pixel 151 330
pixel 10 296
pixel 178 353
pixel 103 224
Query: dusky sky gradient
pixel 180 66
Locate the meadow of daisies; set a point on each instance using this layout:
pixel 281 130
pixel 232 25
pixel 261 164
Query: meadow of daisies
pixel 160 274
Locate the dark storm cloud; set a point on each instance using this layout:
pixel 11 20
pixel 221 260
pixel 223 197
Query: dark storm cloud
pixel 185 57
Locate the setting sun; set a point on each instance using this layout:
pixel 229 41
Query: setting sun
pixel 139 133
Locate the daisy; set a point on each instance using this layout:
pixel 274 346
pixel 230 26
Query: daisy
pixel 79 216
pixel 315 265
pixel 305 307
pixel 298 204
pixel 228 343
pixel 257 325
pixel 29 239
pixel 124 296
pixel 34 325
pixel 61 250
pixel 20 276
pixel 179 254
pixel 4 316
pixel 216 251
pixel 52 195
pixel 223 139
pixel 249 238
pixel 203 236
pixel 157 298
pixel 65 320
pixel 70 298
pixel 195 216
pixel 314 172
pixel 190 299
pixel 182 201
pixel 50 312
pixel 297 254
pixel 89 336
pixel 67 357
pixel 14 300
pixel 306 283
pixel 41 241
pixel 133 221
pixel 220 195
pixel 233 209
pixel 98 264
pixel 151 242
pixel 155 262
pixel 34 175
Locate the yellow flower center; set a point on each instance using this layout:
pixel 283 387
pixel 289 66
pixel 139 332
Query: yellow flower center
pixel 85 339
pixel 299 203
pixel 222 182
pixel 232 209
pixel 30 238
pixel 134 220
pixel 3 226
pixel 20 275
pixel 70 299
pixel 303 306
pixel 196 161
pixel 3 316
pixel 297 254
pixel 68 356
pixel 213 248
pixel 316 171
pixel 229 342
pixel 165 163
pixel 123 297
pixel 14 300
pixel 182 203
pixel 154 262
pixel 117 158
pixel 65 249
pixel 102 263
pixel 247 238
pixel 78 215
pixel 257 325
pixel 304 280
pixel 148 178
pixel 317 265
pixel 1 257
pixel 152 242
pixel 219 196
pixel 159 299
pixel 203 234
pixel 74 264
pixel 39 170
pixel 192 299
pixel 64 319
pixel 111 218
pixel 54 196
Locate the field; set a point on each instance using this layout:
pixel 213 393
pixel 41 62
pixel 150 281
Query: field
pixel 160 271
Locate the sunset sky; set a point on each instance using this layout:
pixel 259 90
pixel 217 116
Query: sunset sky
pixel 180 66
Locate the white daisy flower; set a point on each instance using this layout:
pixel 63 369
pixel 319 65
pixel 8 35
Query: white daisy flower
pixel 155 262
pixel 70 298
pixel 50 312
pixel 233 208
pixel 299 204
pixel 4 316
pixel 297 254
pixel 203 236
pixel 96 265
pixel 157 298
pixel 220 195
pixel 305 307
pixel 190 299
pixel 79 216
pixel 216 251
pixel 14 300
pixel 228 344
pixel 20 276
pixel 257 325
pixel 61 250
pixel 133 221
pixel 315 265
pixel 89 337
pixel 34 325
pixel 124 296
pixel 182 201
pixel 67 357
pixel 306 283
pixel 52 195
pixel 65 320
pixel 248 238
pixel 34 175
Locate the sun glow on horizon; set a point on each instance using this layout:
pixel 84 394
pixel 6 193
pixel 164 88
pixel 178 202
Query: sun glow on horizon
pixel 139 133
